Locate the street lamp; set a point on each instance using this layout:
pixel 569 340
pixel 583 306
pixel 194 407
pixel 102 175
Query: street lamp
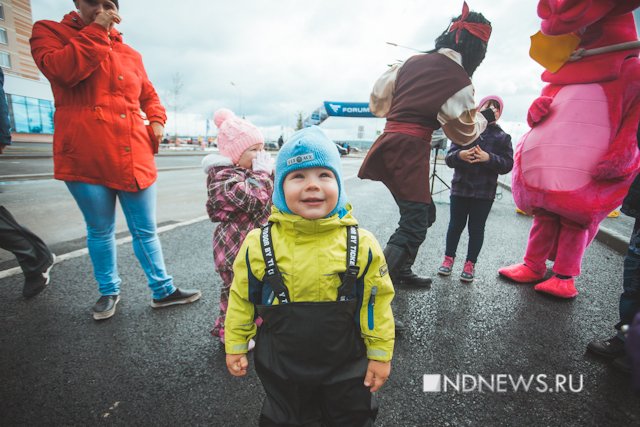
pixel 239 98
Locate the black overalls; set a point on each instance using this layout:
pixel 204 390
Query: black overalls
pixel 310 356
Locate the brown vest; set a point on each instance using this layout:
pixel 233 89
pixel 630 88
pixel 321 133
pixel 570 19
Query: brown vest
pixel 424 83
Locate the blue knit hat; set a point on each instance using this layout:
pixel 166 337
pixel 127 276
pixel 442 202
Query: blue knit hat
pixel 308 148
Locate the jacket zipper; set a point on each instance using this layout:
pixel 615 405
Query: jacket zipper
pixel 372 303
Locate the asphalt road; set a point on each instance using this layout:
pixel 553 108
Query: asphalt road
pixel 162 368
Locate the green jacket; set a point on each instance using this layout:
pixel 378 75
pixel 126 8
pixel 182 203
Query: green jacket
pixel 310 254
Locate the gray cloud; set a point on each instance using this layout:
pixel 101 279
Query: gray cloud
pixel 287 56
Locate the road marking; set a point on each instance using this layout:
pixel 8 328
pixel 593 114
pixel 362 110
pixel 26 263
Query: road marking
pixel 80 252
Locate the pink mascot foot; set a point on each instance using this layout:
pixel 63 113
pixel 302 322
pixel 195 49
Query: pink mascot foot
pixel 520 273
pixel 561 288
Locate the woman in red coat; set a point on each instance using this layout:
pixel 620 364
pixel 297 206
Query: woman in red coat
pixel 101 147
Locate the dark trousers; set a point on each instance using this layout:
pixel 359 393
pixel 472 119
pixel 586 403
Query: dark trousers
pixel 346 403
pixel 412 227
pixel 477 212
pixel 630 297
pixel 31 252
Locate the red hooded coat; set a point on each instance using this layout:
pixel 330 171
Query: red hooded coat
pixel 100 87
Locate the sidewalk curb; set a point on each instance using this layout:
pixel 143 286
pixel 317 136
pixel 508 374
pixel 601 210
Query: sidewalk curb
pixel 26 156
pixel 39 176
pixel 611 238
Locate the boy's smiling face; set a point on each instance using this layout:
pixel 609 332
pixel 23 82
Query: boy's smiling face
pixel 311 193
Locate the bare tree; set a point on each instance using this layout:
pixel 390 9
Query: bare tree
pixel 177 84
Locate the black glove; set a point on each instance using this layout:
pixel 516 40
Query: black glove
pixel 489 115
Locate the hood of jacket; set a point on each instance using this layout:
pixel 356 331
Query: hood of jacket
pixel 215 160
pixel 297 224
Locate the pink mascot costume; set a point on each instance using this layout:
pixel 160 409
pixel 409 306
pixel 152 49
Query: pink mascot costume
pixel 578 160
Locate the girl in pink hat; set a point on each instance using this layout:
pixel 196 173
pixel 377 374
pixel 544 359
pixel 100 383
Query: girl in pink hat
pixel 239 189
pixel 473 187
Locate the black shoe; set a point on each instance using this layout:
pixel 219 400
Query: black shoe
pixel 610 349
pixel 399 262
pixel 35 283
pixel 179 296
pixel 622 364
pixel 105 307
pixel 412 280
pixel 400 326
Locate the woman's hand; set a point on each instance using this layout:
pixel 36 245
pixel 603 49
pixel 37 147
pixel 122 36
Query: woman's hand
pixel 377 374
pixel 158 130
pixel 108 17
pixel 237 364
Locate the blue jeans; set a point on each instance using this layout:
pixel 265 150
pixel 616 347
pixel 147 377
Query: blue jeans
pixel 630 297
pixel 98 206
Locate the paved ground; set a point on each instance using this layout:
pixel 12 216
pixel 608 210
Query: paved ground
pixel 146 367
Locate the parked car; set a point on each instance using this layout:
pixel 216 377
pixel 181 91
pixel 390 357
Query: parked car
pixel 271 146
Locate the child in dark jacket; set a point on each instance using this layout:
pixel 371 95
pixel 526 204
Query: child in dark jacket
pixel 473 187
pixel 239 189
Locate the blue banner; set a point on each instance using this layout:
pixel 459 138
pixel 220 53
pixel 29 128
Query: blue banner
pixel 348 109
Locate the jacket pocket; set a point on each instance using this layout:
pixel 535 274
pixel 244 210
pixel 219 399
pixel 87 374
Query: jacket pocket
pixel 370 308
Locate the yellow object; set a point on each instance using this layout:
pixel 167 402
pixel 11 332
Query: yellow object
pixel 614 214
pixel 521 212
pixel 310 254
pixel 552 52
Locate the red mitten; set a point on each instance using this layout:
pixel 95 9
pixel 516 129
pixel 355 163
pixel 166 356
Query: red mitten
pixel 539 110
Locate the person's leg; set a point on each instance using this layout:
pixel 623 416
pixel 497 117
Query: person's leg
pixel 33 255
pixel 348 403
pixel 478 213
pixel 412 226
pixel 227 279
pixel 545 230
pixel 98 206
pixel 140 211
pixel 629 304
pixel 402 247
pixel 459 210
pixel 286 402
pixel 630 298
pixel 542 241
pixel 31 252
pixel 573 240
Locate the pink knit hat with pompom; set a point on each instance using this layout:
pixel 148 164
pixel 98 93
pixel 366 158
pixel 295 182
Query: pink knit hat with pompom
pixel 235 135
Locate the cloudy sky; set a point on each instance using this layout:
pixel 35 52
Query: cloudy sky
pixel 287 56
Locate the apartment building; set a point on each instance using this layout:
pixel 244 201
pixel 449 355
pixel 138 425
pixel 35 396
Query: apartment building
pixel 28 93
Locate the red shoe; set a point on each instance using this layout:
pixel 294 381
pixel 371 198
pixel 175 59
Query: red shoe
pixel 561 288
pixel 520 273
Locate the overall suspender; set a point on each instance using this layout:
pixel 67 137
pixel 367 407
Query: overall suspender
pixel 273 277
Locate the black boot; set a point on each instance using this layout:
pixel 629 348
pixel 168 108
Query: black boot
pixel 395 256
pixel 407 277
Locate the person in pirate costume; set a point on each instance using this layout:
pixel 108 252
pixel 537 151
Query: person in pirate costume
pixel 321 286
pixel 432 90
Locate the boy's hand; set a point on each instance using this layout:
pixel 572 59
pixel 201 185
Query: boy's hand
pixel 377 374
pixel 237 364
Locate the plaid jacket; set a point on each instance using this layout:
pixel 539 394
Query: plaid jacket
pixel 240 200
pixel 480 180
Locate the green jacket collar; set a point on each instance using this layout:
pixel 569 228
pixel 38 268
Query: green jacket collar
pixel 296 223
